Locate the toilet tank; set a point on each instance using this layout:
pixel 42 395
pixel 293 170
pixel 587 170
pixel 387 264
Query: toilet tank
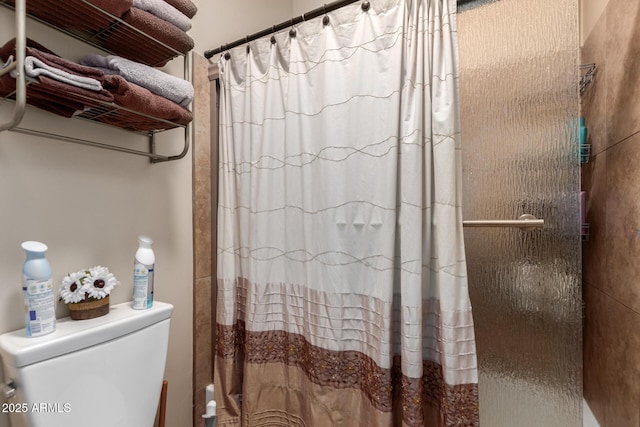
pixel 101 372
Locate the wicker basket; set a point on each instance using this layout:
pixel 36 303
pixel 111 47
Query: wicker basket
pixel 89 309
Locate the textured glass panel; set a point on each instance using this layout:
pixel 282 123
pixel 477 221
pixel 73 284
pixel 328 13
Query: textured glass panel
pixel 519 100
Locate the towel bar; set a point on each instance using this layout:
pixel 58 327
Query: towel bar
pixel 525 222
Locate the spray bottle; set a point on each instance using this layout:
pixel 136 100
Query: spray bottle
pixel 143 274
pixel 37 290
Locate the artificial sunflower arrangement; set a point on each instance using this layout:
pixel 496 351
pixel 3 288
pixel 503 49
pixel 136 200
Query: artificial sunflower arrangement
pixel 86 292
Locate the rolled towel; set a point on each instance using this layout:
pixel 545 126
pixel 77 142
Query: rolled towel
pixel 173 88
pixel 165 11
pixel 35 68
pixel 185 6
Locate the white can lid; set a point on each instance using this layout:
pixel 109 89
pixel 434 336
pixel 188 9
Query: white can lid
pixel 33 246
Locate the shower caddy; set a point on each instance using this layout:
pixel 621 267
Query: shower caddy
pixel 119 28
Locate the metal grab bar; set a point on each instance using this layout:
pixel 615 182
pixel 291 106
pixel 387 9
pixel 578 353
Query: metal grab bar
pixel 525 222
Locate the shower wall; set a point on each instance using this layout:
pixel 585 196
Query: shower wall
pixel 519 73
pixel 611 107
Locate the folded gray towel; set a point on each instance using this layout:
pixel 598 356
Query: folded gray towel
pixel 34 67
pixel 173 88
pixel 165 11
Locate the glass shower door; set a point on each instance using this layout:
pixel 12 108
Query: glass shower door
pixel 519 74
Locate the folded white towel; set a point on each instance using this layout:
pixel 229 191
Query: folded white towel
pixel 173 88
pixel 165 11
pixel 34 67
pixel 4 65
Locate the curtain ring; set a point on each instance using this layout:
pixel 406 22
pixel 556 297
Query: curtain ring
pixel 226 55
pixel 366 6
pixel 292 32
pixel 325 19
pixel 273 37
pixel 246 40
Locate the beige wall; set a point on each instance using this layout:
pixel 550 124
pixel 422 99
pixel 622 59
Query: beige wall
pixel 303 6
pixel 220 22
pixel 611 290
pixel 590 11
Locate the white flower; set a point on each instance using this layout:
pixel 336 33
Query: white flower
pixel 99 282
pixel 95 283
pixel 73 288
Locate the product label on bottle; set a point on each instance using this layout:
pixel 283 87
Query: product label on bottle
pixel 142 286
pixel 39 301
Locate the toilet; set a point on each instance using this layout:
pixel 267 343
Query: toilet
pixel 102 372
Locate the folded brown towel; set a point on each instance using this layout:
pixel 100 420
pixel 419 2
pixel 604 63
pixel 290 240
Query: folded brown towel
pixel 185 6
pixel 89 98
pixel 76 14
pixel 9 48
pixel 45 55
pixel 41 98
pixel 137 48
pixel 67 90
pixel 141 100
pixel 7 85
pixel 49 94
pixel 114 7
pixel 56 97
pixel 71 67
pixel 71 96
pixel 36 96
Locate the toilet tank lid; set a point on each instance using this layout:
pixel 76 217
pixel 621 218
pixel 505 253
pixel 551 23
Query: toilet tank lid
pixel 18 350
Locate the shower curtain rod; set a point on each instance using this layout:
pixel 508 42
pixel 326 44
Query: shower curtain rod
pixel 283 25
pixel 286 24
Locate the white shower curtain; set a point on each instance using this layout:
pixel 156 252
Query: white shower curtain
pixel 342 289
